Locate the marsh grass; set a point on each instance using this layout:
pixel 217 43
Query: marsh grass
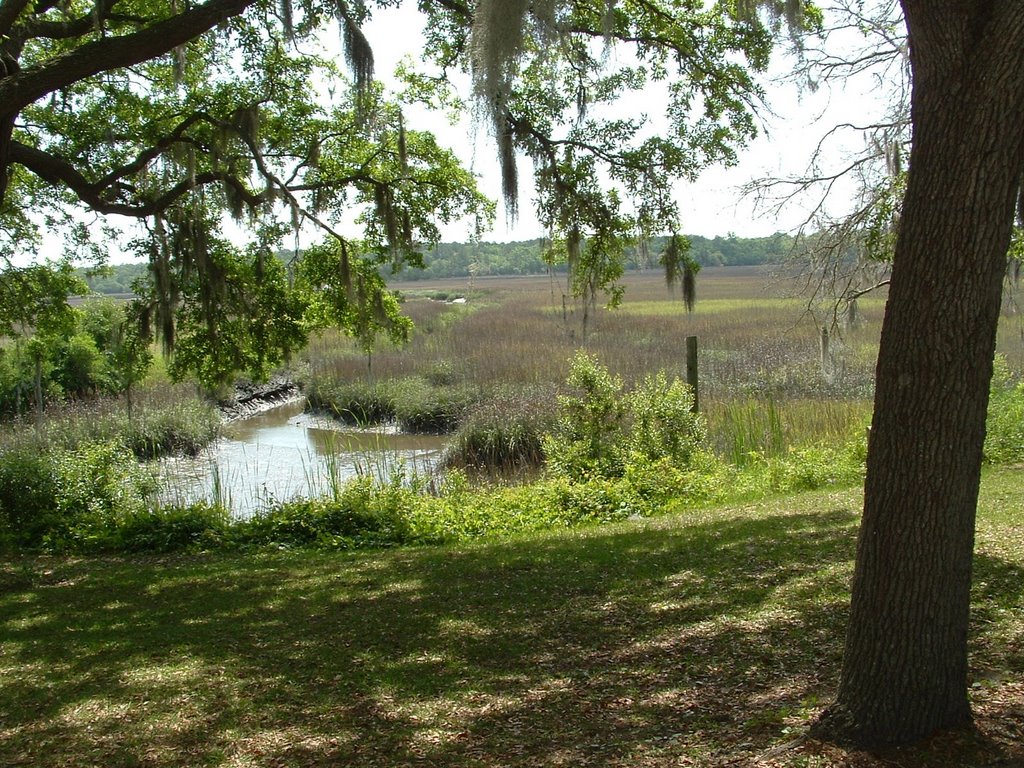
pixel 504 433
pixel 759 351
pixel 164 419
pixel 708 638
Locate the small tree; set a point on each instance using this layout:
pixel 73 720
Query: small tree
pixel 34 306
pixel 130 355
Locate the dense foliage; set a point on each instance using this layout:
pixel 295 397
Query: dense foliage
pixel 95 350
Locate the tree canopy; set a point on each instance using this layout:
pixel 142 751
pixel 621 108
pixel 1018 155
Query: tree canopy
pixel 179 115
pixel 183 116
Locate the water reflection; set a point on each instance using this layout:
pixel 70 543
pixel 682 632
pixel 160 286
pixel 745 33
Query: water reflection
pixel 283 453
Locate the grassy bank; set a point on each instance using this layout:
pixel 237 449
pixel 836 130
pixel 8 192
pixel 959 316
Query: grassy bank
pixel 707 638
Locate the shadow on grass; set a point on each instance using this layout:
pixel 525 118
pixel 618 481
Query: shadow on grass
pixel 621 645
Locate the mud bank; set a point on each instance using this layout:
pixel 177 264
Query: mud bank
pixel 250 399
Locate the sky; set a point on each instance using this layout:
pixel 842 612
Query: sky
pixel 713 205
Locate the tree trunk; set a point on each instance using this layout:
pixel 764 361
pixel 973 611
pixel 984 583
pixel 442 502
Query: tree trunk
pixel 38 381
pixel 904 671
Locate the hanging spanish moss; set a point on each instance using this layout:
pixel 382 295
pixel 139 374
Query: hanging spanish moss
pixel 497 40
pixel 690 284
pixel 670 259
pixel 509 173
pixel 385 211
pixel 179 61
pixel 234 199
pixel 406 227
pixel 164 286
pixel 643 248
pixel 313 156
pixel 287 19
pixel 681 269
pixel 851 317
pixel 792 12
pixel 247 122
pixel 345 269
pixel 143 315
pixel 572 252
pixel 894 159
pixel 608 20
pixel 261 264
pixel 581 101
pixel 358 54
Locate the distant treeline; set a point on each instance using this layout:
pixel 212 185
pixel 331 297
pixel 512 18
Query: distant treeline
pixel 525 257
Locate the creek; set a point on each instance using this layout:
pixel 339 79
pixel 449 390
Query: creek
pixel 282 453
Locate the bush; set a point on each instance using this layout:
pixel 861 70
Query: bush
pixel 27 492
pixel 600 430
pixel 70 499
pixel 365 514
pixel 356 403
pixel 420 407
pixel 80 367
pixel 185 428
pixel 588 438
pixel 662 422
pixel 170 529
pixel 504 433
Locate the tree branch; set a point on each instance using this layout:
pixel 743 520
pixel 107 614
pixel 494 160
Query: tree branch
pixel 56 170
pixel 9 12
pixel 24 87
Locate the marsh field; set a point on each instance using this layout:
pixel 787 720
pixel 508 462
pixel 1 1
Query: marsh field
pixel 764 383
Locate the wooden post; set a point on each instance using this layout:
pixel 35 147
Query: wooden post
pixel 691 367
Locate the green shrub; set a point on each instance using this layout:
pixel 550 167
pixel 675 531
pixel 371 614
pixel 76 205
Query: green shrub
pixel 460 513
pixel 1004 436
pixel 185 428
pixel 365 514
pixel 600 429
pixel 80 366
pixel 587 440
pixel 660 481
pixel 662 423
pixel 169 529
pixel 813 467
pixel 353 402
pixel 441 373
pixel 70 499
pixel 27 493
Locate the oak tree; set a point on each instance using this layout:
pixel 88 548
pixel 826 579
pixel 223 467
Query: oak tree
pixel 905 671
pixel 180 115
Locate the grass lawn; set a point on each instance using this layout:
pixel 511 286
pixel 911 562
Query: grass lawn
pixel 708 638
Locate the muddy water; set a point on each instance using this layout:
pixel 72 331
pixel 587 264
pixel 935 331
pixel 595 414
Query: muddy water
pixel 283 452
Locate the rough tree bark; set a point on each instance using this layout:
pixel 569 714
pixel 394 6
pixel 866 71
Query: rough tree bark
pixel 904 671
